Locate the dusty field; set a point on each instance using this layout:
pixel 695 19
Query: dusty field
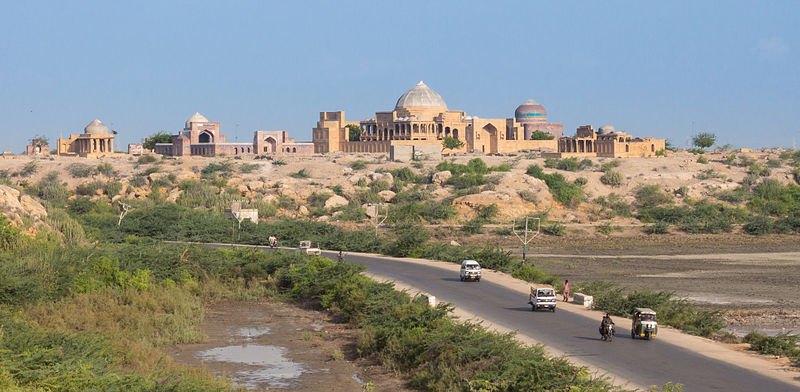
pixel 754 281
pixel 277 346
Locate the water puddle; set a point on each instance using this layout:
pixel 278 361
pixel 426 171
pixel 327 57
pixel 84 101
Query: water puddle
pixel 254 332
pixel 260 365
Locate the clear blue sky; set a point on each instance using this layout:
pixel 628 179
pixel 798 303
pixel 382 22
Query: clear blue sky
pixel 651 68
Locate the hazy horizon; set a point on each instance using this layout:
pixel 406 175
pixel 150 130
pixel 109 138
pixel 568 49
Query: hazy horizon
pixel 667 70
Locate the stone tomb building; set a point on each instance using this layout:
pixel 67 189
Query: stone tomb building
pixel 421 118
pixel 38 147
pixel 205 138
pixel 94 142
pixel 606 142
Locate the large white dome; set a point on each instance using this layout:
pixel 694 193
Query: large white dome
pixel 420 95
pixel 96 126
pixel 196 117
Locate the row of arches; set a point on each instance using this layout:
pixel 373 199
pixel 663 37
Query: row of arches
pixel 405 131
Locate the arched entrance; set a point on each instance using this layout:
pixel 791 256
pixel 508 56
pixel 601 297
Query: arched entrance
pixel 272 144
pixel 205 137
pixel 492 131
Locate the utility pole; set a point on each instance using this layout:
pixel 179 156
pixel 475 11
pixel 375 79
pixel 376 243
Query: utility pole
pixel 123 208
pixel 525 238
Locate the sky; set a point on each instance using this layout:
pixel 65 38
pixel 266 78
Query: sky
pixel 662 69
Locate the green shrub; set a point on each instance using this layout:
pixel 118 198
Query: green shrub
pixel 105 169
pixel 145 159
pixel 774 163
pixel 533 275
pixel 612 178
pixel 612 205
pixel 214 169
pixel 758 225
pixel 606 166
pixel 528 196
pixel 702 159
pixel 707 174
pixel 555 228
pixel 759 170
pixel 783 345
pixel 112 188
pixel 671 311
pixel 659 227
pixel 88 188
pixel 564 192
pixel 29 169
pixel 302 173
pixel 80 170
pixel 648 196
pixel 246 168
pixel 607 228
pixel 358 164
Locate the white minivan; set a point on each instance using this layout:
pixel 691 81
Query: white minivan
pixel 470 270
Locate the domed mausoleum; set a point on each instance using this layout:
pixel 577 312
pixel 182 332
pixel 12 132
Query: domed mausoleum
pixel 421 121
pixel 205 138
pixel 95 141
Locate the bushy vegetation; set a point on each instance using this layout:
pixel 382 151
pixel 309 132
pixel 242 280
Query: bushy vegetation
pixel 784 345
pixel 358 164
pixel 671 311
pixel 568 164
pixel 80 170
pixel 147 158
pixel 566 193
pixel 215 169
pixel 302 173
pixel 94 314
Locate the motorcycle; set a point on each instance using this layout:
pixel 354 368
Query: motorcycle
pixel 607 333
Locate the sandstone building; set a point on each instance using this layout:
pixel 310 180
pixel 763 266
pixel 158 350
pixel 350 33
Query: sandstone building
pixel 421 118
pixel 204 138
pixel 94 142
pixel 606 142
pixel 38 146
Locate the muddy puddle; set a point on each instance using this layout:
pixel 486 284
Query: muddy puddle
pixel 277 346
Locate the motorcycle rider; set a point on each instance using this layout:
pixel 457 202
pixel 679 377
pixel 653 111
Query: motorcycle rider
pixel 605 323
pixel 273 241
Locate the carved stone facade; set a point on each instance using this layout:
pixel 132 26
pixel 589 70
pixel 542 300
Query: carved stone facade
pixel 38 148
pixel 421 117
pixel 94 142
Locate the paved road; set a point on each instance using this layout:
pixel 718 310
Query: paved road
pixel 642 362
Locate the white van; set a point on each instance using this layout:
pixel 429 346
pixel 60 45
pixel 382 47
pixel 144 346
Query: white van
pixel 542 296
pixel 470 270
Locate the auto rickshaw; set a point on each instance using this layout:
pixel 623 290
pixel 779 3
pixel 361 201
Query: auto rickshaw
pixel 644 323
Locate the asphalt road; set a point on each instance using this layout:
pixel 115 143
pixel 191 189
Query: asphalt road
pixel 642 362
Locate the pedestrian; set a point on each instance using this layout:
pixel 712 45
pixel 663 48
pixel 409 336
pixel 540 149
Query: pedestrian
pixel 566 291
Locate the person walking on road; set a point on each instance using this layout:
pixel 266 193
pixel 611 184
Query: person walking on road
pixel 566 291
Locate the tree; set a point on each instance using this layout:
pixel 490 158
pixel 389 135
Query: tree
pixel 541 135
pixel 704 139
pixel 39 141
pixel 354 132
pixel 159 137
pixel 451 143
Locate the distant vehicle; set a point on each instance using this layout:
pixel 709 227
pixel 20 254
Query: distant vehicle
pixel 644 323
pixel 542 296
pixel 470 270
pixel 306 247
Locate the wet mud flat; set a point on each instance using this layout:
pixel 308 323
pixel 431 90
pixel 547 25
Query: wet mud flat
pixel 264 345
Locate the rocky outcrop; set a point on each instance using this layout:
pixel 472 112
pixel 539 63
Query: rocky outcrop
pixel 15 206
pixel 387 195
pixel 335 201
pixel 440 178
